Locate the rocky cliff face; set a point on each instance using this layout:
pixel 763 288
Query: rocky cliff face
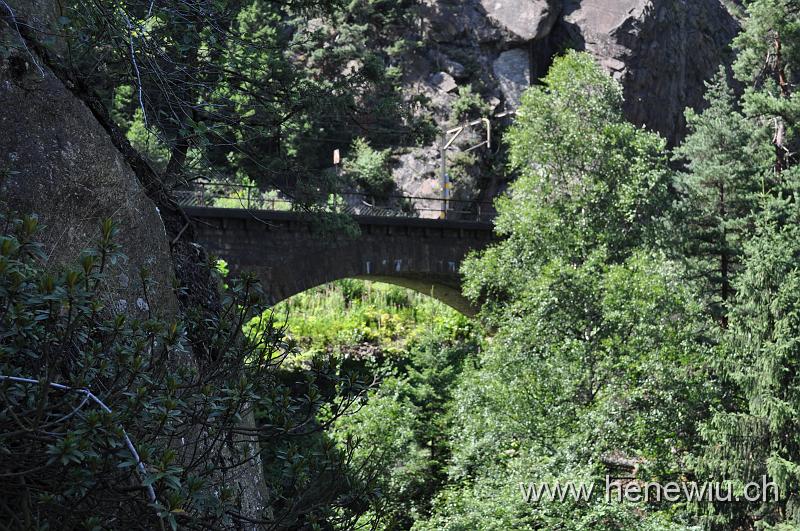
pixel 662 51
pixel 63 167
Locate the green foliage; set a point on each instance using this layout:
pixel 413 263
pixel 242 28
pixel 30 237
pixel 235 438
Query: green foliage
pixel 753 432
pixel 350 315
pixel 147 143
pixel 632 313
pixel 767 20
pixel 588 178
pixel 768 63
pixel 468 105
pixel 590 185
pixel 142 139
pixel 757 433
pixel 369 169
pixel 595 360
pixel 495 503
pixel 181 390
pixel 727 169
pixel 462 172
pixel 257 89
pixel 598 347
pixel 388 451
pixel 416 347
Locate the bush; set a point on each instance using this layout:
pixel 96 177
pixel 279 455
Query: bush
pixel 369 169
pixel 468 105
pixel 178 391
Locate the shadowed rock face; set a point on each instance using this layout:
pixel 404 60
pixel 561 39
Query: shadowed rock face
pixel 662 51
pixel 64 168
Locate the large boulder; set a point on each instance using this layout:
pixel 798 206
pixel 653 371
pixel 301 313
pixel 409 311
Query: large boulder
pixel 523 20
pixel 462 22
pixel 60 164
pixel 63 167
pixel 513 73
pixel 443 82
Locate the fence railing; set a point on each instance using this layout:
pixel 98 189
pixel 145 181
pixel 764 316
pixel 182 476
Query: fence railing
pixel 227 195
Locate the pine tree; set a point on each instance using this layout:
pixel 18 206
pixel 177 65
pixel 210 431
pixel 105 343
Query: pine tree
pixel 757 431
pixel 725 159
pixel 767 62
pixel 759 435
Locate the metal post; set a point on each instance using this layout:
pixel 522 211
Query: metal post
pixel 443 156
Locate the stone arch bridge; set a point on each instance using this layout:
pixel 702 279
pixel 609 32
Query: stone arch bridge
pixel 289 256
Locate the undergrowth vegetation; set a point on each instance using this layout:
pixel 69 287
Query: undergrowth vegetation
pixel 414 348
pixel 349 312
pixel 126 421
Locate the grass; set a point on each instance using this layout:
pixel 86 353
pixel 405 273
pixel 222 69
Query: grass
pixel 351 313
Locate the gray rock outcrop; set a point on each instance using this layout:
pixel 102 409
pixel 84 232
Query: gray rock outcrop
pixel 523 20
pixel 63 167
pixel 444 82
pixel 661 51
pixel 513 74
pixel 59 163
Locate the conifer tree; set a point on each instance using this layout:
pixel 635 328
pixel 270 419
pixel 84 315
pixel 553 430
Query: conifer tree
pixel 756 433
pixel 727 161
pixel 759 435
pixel 767 62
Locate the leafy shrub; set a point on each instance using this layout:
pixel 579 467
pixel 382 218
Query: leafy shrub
pixel 369 169
pixel 467 105
pixel 179 391
pixel 397 297
pixel 352 290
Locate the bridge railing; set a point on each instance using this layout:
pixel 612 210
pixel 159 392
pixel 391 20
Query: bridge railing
pixel 228 195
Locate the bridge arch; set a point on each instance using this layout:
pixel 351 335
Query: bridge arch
pixel 289 256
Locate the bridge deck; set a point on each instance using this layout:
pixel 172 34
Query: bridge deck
pixel 248 197
pixel 290 255
pixel 277 215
